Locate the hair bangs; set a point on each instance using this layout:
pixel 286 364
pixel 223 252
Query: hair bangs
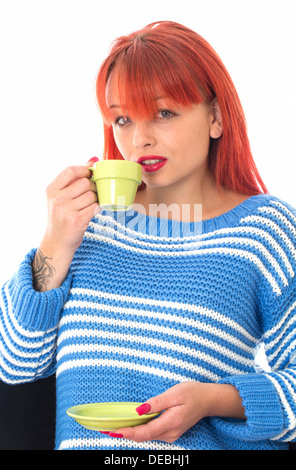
pixel 145 73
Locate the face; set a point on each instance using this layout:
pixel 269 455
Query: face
pixel 172 147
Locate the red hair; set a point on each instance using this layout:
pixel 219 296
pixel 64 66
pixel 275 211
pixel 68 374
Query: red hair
pixel 168 59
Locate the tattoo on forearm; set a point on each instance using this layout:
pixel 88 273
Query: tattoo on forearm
pixel 42 271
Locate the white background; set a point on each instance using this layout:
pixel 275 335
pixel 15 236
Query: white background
pixel 50 51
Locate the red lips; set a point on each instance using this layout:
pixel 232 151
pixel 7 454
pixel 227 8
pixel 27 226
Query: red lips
pixel 151 163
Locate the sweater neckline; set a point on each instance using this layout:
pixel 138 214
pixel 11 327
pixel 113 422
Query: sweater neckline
pixel 161 227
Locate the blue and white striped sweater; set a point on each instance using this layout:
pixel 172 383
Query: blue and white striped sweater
pixel 149 303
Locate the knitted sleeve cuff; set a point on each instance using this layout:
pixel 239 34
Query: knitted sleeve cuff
pixel 263 409
pixel 38 311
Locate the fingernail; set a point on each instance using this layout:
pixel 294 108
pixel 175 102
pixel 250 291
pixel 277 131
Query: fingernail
pixel 143 409
pixel 104 432
pixel 94 159
pixel 113 434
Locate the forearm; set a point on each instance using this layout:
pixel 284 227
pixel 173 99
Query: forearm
pixel 223 400
pixel 50 266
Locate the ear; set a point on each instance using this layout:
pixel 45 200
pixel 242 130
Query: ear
pixel 216 124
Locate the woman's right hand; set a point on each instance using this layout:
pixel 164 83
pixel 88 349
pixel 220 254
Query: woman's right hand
pixel 72 202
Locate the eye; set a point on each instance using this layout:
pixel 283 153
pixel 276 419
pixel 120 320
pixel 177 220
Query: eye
pixel 122 121
pixel 165 113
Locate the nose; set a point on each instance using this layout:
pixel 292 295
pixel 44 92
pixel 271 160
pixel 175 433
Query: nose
pixel 143 135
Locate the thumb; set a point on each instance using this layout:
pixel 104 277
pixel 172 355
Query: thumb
pixel 143 409
pixel 93 160
pixel 155 404
pixel 170 398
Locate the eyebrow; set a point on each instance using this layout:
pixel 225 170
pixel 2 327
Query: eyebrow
pixel 158 98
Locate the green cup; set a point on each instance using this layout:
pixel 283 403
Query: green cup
pixel 117 182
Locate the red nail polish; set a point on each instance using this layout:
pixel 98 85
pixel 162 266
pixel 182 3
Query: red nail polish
pixel 104 432
pixel 94 159
pixel 113 434
pixel 143 409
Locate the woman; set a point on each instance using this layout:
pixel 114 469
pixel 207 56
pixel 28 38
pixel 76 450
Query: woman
pixel 157 305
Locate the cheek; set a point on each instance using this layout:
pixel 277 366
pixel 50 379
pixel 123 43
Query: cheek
pixel 120 142
pixel 199 139
pixel 124 141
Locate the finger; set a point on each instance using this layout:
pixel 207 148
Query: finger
pixel 160 402
pixel 79 187
pixel 98 210
pixel 84 200
pixel 156 429
pixel 92 162
pixel 76 189
pixel 86 214
pixel 69 175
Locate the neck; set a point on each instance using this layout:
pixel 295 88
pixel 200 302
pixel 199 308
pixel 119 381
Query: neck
pixel 199 203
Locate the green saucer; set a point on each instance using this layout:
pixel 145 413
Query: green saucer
pixel 108 416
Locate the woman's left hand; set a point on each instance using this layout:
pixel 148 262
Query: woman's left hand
pixel 182 406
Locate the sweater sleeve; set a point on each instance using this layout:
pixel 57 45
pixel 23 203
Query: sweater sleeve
pixel 269 397
pixel 28 326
